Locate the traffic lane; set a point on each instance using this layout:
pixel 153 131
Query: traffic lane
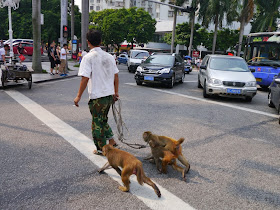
pixel 39 169
pixel 206 128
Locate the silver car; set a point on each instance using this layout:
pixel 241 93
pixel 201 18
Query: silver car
pixel 227 76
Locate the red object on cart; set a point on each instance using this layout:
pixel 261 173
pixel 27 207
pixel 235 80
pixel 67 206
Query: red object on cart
pixel 21 57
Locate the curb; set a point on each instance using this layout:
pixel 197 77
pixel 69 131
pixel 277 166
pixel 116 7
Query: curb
pixel 58 78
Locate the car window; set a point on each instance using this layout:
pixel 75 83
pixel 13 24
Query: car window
pixel 164 60
pixel 205 61
pixel 228 64
pixel 139 54
pixel 179 59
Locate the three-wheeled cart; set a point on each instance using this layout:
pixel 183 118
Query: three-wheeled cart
pixel 15 73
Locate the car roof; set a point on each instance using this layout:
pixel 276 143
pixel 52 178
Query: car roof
pixel 224 56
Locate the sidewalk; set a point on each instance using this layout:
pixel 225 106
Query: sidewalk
pixel 43 77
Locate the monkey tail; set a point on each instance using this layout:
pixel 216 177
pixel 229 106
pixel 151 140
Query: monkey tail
pixel 180 141
pixel 140 173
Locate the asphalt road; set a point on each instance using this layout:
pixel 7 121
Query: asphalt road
pixel 232 145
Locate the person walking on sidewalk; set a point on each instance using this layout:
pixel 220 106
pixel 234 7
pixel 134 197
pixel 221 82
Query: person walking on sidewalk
pixel 63 54
pixel 100 73
pixel 57 58
pixel 51 56
pixel 20 51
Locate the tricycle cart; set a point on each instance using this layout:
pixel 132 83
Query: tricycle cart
pixel 16 73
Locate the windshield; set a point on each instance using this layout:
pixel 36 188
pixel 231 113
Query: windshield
pixel 139 55
pixel 164 60
pixel 228 64
pixel 266 54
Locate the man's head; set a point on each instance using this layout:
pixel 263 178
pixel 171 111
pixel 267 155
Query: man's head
pixel 94 38
pixel 6 46
pixel 65 46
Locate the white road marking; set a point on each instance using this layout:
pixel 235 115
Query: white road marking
pixel 189 81
pixel 214 102
pixel 85 145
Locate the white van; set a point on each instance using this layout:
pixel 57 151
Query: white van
pixel 135 58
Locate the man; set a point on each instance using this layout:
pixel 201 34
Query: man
pixel 63 55
pixel 3 52
pixel 51 56
pixel 99 71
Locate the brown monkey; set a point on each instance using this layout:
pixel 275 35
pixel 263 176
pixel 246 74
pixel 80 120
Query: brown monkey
pixel 130 165
pixel 170 144
pixel 168 157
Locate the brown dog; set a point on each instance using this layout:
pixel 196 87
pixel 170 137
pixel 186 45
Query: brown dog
pixel 130 165
pixel 169 144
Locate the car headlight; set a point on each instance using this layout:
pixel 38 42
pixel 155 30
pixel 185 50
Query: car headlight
pixel 165 70
pixel 139 69
pixel 215 81
pixel 250 84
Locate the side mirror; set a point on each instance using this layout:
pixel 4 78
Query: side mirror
pixel 252 70
pixel 178 64
pixel 203 67
pixel 277 81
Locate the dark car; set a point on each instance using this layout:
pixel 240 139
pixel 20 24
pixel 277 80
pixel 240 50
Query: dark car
pixel 274 93
pixel 162 68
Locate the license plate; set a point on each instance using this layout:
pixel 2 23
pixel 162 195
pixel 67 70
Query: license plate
pixel 149 78
pixel 234 91
pixel 258 79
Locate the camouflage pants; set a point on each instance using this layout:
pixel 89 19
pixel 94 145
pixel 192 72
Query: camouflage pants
pixel 101 131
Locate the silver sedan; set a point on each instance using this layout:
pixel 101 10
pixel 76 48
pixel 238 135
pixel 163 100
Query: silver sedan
pixel 227 76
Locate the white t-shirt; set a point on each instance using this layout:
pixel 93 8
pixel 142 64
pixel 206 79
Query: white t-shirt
pixel 2 52
pixel 100 67
pixel 63 51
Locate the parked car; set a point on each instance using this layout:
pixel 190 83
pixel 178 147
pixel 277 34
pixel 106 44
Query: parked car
pixel 27 46
pixel 188 67
pixel 274 94
pixel 162 68
pixel 227 76
pixel 122 58
pixel 19 40
pixel 135 59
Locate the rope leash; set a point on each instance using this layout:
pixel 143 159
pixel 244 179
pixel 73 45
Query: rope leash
pixel 121 125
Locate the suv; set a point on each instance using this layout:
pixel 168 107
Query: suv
pixel 135 59
pixel 162 68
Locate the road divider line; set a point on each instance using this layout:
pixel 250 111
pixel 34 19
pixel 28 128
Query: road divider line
pixel 85 145
pixel 214 102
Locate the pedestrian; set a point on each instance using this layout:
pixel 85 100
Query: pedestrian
pixel 63 54
pixel 99 71
pixel 51 56
pixel 1 43
pixel 57 59
pixel 3 53
pixel 20 51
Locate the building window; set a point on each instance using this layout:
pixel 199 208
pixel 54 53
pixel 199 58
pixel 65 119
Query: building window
pixel 97 1
pixel 97 8
pixel 91 8
pixel 150 10
pixel 170 13
pixel 92 1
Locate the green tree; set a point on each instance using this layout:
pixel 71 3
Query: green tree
pixel 267 13
pixel 215 11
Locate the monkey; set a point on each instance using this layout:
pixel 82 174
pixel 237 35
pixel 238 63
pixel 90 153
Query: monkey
pixel 158 151
pixel 170 144
pixel 130 165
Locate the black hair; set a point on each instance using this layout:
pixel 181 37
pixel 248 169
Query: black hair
pixel 94 37
pixel 65 45
pixel 6 45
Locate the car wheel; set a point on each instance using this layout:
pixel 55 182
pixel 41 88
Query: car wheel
pixel 205 95
pixel 138 82
pixel 270 104
pixel 198 83
pixel 183 78
pixel 171 84
pixel 248 99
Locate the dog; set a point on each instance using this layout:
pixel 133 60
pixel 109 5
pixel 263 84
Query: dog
pixel 158 151
pixel 130 165
pixel 169 144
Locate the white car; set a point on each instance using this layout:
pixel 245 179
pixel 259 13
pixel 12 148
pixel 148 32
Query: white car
pixel 135 58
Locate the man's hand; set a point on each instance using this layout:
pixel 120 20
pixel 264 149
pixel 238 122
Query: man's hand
pixel 116 97
pixel 76 101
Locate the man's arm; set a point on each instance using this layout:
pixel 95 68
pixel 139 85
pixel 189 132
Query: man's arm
pixel 4 59
pixel 83 85
pixel 116 85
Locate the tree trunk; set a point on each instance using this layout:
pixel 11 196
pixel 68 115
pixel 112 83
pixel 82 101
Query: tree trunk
pixel 173 30
pixel 36 23
pixel 85 23
pixel 72 19
pixel 191 37
pixel 241 32
pixel 215 35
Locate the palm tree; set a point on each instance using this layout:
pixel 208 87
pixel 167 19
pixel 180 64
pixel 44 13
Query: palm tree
pixel 194 4
pixel 36 23
pixel 246 14
pixel 268 12
pixel 215 11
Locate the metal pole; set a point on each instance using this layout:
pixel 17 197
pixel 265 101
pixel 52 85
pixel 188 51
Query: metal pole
pixel 85 22
pixel 63 21
pixel 72 19
pixel 10 33
pixel 173 30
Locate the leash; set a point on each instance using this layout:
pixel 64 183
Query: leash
pixel 116 109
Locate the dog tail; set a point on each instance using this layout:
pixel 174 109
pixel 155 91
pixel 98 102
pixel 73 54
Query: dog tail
pixel 140 173
pixel 180 141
